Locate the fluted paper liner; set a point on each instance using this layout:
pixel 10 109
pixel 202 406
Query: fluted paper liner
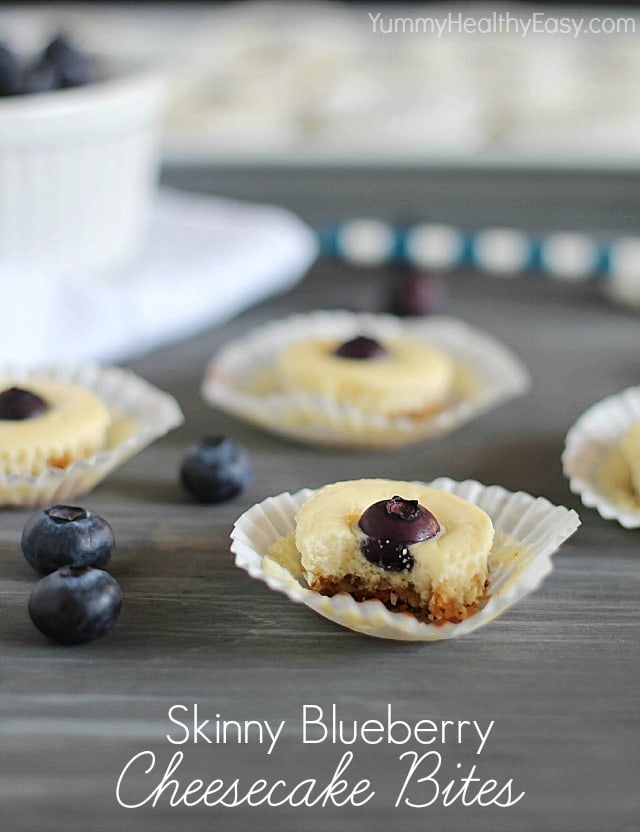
pixel 593 463
pixel 140 412
pixel 238 380
pixel 528 531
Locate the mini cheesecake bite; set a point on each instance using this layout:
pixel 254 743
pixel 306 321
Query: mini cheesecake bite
pixel 391 377
pixel 415 548
pixel 45 423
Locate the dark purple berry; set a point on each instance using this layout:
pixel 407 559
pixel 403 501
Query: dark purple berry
pixel 414 293
pixel 39 77
pixel 216 468
pixel 64 535
pixel 16 403
pixel 361 347
pixel 72 67
pixel 400 520
pixel 58 66
pixel 391 526
pixel 75 604
pixel 392 557
pixel 10 71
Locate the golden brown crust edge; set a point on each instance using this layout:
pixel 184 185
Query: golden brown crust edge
pixel 439 610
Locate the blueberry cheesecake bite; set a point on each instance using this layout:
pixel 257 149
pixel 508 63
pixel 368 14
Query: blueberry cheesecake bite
pixel 391 377
pixel 414 548
pixel 45 423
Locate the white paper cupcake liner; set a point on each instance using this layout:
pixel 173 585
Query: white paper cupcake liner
pixel 528 531
pixel 141 413
pixel 591 446
pixel 237 380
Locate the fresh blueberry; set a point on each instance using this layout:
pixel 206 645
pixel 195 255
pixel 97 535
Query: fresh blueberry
pixel 414 293
pixel 75 604
pixel 391 526
pixel 59 65
pixel 73 68
pixel 64 535
pixel 40 76
pixel 16 403
pixel 216 468
pixel 362 348
pixel 10 71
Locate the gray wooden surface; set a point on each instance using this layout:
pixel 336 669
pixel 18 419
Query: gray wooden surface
pixel 558 673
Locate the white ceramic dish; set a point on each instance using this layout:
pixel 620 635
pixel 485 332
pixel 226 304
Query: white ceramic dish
pixel 141 413
pixel 78 169
pixel 528 532
pixel 593 464
pixel 237 380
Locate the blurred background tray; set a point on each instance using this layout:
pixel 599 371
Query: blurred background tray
pixel 320 83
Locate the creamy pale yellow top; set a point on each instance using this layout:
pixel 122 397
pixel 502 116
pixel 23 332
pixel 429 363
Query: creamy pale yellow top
pixel 74 426
pixel 328 537
pixel 411 378
pixel 630 447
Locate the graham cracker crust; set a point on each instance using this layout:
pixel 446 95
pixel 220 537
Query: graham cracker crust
pixel 439 610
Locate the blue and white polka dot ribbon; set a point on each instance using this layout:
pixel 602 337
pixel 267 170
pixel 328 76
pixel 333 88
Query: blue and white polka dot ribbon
pixel 500 251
